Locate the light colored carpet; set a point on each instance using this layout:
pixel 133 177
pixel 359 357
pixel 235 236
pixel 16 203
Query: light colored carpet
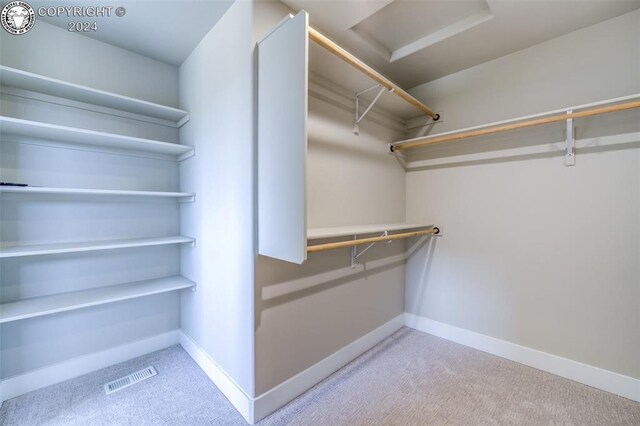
pixel 181 394
pixel 411 378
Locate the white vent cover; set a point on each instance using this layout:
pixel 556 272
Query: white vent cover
pixel 129 380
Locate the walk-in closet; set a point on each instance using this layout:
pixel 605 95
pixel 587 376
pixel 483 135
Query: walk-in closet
pixel 308 212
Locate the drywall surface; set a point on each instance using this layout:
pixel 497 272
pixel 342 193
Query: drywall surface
pixel 595 63
pixel 533 252
pixel 305 313
pixel 216 86
pixel 58 53
pixel 30 219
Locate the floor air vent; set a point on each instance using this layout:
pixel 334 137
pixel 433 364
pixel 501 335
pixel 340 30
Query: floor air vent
pixel 129 380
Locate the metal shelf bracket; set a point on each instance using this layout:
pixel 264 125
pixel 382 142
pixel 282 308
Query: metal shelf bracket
pixel 569 156
pixel 354 250
pixel 359 117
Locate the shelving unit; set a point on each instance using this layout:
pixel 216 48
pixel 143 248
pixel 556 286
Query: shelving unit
pixel 83 137
pixel 285 55
pixel 77 247
pixel 50 86
pixel 182 196
pixel 45 89
pixel 45 305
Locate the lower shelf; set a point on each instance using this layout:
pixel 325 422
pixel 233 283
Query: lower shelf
pixel 317 233
pixel 40 249
pixel 344 231
pixel 45 305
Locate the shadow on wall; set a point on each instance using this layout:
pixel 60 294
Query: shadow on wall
pixel 280 282
pixel 426 248
pixel 331 133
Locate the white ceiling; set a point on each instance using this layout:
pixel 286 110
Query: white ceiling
pixel 417 41
pixel 167 30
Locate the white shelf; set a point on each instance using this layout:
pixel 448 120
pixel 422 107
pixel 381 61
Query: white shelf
pixel 72 135
pixel 53 87
pixel 632 113
pixel 40 249
pixel 344 231
pixel 45 305
pixel 100 192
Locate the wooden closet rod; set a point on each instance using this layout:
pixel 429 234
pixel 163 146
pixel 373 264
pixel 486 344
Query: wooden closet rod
pixel 418 142
pixel 351 243
pixel 369 72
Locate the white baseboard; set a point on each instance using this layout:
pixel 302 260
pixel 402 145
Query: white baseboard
pixel 277 397
pixel 609 381
pixel 234 393
pixel 255 409
pixel 50 375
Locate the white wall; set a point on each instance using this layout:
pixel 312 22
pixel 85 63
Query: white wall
pixel 533 252
pixel 216 86
pixel 588 65
pixel 39 342
pixel 305 313
pixel 58 53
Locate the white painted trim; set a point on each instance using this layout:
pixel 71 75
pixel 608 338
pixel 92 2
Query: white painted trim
pixel 442 34
pixel 608 381
pixel 231 390
pixel 50 375
pixel 277 397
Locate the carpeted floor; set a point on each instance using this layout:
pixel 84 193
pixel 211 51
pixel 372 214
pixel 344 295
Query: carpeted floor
pixel 410 378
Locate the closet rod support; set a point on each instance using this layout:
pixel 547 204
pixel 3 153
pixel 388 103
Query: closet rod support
pixel 354 250
pixel 347 57
pixel 368 89
pixel 356 126
pixel 569 156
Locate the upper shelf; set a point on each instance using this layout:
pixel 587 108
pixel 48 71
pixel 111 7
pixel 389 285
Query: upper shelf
pixel 344 231
pixel 410 230
pixel 16 126
pixel 557 116
pixel 53 87
pixel 99 192
pixel 329 61
pixel 397 91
